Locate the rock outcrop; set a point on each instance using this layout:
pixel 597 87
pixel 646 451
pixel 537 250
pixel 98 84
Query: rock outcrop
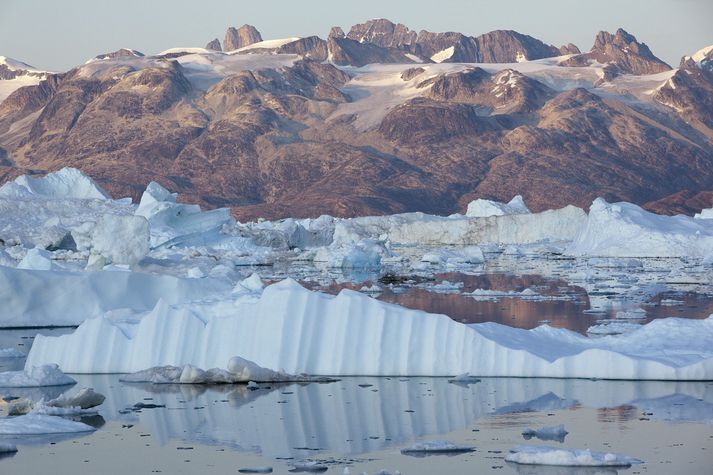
pixel 236 38
pixel 214 45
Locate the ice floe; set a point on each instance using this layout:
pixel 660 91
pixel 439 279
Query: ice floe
pixel 40 424
pixel 557 433
pixel 35 376
pixel 239 370
pixel 65 183
pixel 436 447
pixel 541 455
pixel 292 328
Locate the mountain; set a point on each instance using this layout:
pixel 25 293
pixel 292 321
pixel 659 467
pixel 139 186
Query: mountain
pixel 291 128
pixel 621 53
pixel 236 38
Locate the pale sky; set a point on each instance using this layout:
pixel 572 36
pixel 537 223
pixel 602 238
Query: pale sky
pixel 57 35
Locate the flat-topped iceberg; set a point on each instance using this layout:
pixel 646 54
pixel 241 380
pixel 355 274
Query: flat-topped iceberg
pixel 300 331
pixel 40 424
pixel 541 455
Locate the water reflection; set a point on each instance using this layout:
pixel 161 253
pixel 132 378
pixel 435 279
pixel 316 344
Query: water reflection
pixel 349 417
pixel 545 470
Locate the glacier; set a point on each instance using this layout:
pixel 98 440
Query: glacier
pixel 289 328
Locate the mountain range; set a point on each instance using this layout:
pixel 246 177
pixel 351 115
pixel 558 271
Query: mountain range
pixel 381 119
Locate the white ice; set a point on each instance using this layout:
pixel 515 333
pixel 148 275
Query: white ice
pixel 481 208
pixel 40 424
pixel 35 376
pixel 541 455
pixel 436 447
pixel 292 328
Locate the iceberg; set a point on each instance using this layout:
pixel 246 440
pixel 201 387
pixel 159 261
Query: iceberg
pixel 173 223
pixel 541 455
pixel 436 447
pixel 33 298
pixel 40 424
pixel 301 331
pixel 626 230
pixel 557 433
pixel 34 377
pixel 122 240
pixel 65 183
pixel 481 208
pixel 239 370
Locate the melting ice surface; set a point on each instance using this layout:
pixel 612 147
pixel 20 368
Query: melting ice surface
pixel 181 297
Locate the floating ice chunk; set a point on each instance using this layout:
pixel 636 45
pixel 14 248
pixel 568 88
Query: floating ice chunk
pixel 65 183
pixel 172 222
pixel 612 327
pixel 363 254
pixel 239 370
pixel 465 378
pixel 481 208
pixel 312 467
pixel 36 424
pixel 436 447
pixel 37 259
pixel 632 314
pixel 372 289
pixel 85 398
pixel 541 455
pixel 37 376
pixel 557 433
pixel 121 239
pixel 255 470
pixel 461 255
pixel 626 230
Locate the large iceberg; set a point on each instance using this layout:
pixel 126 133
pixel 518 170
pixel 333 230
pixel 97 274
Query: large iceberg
pixel 34 298
pixel 172 222
pixel 542 455
pixel 626 230
pixel 299 331
pixel 65 183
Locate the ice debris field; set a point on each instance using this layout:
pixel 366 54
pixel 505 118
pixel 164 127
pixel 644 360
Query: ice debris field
pixel 165 285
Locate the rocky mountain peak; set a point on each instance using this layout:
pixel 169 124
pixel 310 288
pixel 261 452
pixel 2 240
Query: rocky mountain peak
pixel 336 32
pixel 214 45
pixel 382 32
pixel 623 53
pixel 241 37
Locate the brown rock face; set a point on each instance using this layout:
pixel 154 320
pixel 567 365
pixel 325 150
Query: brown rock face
pixel 569 48
pixel 623 52
pixel 214 45
pixel 683 202
pixel 690 93
pixel 283 141
pixel 507 46
pixel 344 51
pixel 240 37
pixel 312 47
pixel 382 32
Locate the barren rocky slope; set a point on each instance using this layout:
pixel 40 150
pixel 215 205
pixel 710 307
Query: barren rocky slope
pixel 303 127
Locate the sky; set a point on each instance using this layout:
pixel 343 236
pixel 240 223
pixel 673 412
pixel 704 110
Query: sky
pixel 56 35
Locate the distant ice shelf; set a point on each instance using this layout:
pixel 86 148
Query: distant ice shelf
pixel 291 329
